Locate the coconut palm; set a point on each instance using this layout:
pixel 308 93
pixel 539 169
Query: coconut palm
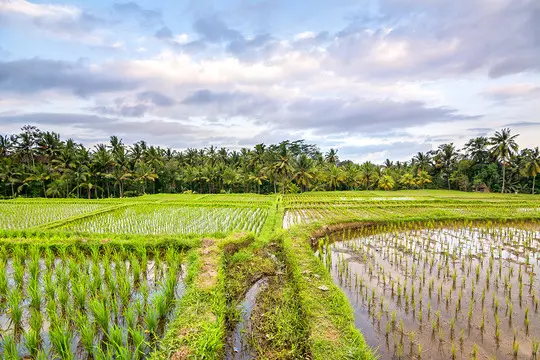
pixel 386 182
pixel 332 157
pixel 40 173
pixel 504 146
pixel 531 165
pixel 9 174
pixel 303 173
pixel 446 158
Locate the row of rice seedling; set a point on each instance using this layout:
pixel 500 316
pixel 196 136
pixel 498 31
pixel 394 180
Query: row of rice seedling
pixel 100 303
pixel 23 215
pixel 168 219
pixel 428 292
pixel 305 215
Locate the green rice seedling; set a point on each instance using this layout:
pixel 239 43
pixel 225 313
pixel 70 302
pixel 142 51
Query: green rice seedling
pixel 63 298
pixel 474 352
pixel 100 314
pixel 419 351
pixel 41 355
pixel 139 344
pixel 18 273
pixel 32 341
pixel 49 285
pixel 36 320
pixel 10 348
pixel 80 292
pixel 515 348
pixel 3 281
pixel 61 338
pixel 86 333
pixel 160 304
pixel 115 337
pixel 151 321
pixel 130 314
pixel 15 311
pixel 35 294
pixel 535 347
pixel 124 291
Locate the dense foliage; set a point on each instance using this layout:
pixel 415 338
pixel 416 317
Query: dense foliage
pixel 37 163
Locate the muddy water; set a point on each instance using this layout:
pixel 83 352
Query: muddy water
pixel 238 343
pixel 143 290
pixel 419 293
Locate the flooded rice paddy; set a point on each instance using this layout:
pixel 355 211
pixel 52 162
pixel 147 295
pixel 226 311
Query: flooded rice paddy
pixel 444 293
pixel 104 303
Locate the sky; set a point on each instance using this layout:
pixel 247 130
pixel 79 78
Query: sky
pixel 375 79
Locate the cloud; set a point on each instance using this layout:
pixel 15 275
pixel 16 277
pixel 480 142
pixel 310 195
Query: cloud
pixel 65 21
pixel 136 106
pixel 434 39
pixel 35 74
pixel 146 18
pixel 156 98
pixel 512 92
pixel 212 29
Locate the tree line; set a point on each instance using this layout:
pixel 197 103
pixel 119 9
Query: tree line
pixel 37 163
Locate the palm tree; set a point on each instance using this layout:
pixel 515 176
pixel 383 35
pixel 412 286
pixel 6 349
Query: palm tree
pixel 387 182
pixel 407 180
pixel 368 174
pixel 332 157
pixel 120 176
pixel 423 178
pixel 144 173
pixel 446 158
pixel 504 146
pixel 9 174
pixel 477 149
pixel 422 161
pixel 335 176
pixel 531 166
pixel 283 166
pixel 303 174
pixel 257 177
pixel 40 173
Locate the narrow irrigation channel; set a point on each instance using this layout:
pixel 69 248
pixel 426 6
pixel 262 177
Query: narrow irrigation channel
pixel 454 292
pixel 238 342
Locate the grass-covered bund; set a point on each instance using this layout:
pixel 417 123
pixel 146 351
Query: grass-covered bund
pixel 166 276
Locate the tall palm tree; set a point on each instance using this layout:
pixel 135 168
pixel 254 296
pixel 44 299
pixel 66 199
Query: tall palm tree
pixel 446 158
pixel 332 157
pixel 335 176
pixel 9 174
pixel 303 174
pixel 283 166
pixel 531 166
pixel 422 161
pixel 258 177
pixel 368 174
pixel 477 149
pixel 504 146
pixel 40 173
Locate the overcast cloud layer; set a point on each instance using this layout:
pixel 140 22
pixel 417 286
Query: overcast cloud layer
pixel 375 79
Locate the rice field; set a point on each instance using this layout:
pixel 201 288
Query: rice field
pixel 168 219
pixel 429 274
pixel 96 302
pixel 461 292
pixel 24 215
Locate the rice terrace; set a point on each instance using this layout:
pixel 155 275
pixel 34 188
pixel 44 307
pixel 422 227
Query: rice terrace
pixel 407 274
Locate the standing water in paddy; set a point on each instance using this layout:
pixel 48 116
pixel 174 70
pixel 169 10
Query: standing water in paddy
pixel 457 293
pixel 79 303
